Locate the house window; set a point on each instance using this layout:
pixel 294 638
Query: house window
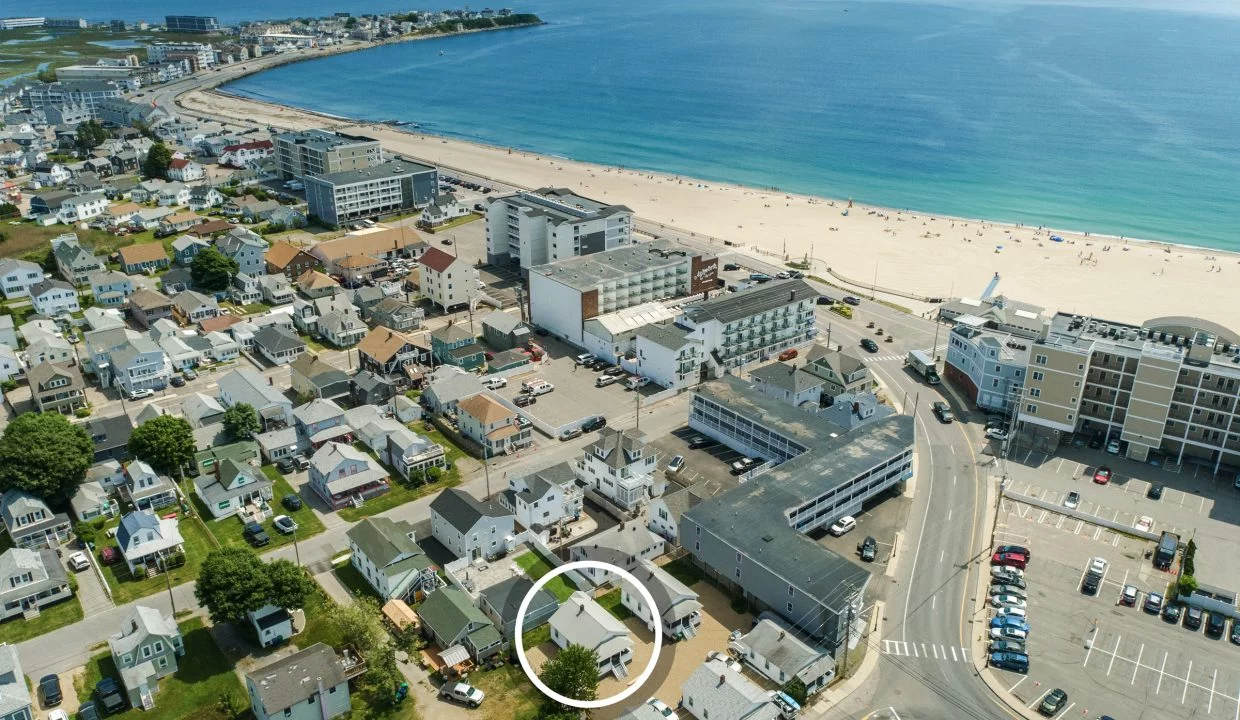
pixel 163 662
pixel 146 651
pixel 1031 409
pixel 1035 392
pixel 1040 359
pixel 1039 375
pixel 789 607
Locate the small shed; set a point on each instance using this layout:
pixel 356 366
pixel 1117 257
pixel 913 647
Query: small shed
pixel 399 615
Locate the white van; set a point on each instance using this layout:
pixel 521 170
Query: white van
pixel 537 386
pixel 604 380
pixel 636 382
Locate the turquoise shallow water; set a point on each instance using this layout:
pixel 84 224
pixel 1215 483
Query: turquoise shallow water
pixel 1109 120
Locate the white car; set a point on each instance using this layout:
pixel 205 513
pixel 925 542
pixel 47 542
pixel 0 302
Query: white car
pixel 463 693
pixel 661 708
pixel 1098 565
pixel 79 561
pixel 728 661
pixel 1113 447
pixel 1008 634
pixel 495 383
pixel 843 525
pixel 998 570
pixel 1011 611
pixel 997 434
pixel 1145 523
pixel 1007 601
pixel 1072 501
pixel 675 465
pixel 58 714
pixel 141 393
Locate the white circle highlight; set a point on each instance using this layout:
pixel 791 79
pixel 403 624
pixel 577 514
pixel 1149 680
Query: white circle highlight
pixel 641 679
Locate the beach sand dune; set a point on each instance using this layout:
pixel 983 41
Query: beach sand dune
pixel 935 256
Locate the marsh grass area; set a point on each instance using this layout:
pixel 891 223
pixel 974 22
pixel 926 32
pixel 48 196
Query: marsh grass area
pixel 25 51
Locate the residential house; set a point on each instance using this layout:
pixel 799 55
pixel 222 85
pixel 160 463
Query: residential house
pixel 788 383
pixel 144 258
pixel 663 516
pixel 204 197
pixel 18 276
pixel 242 451
pixel 147 540
pixel 8 333
pixel 321 421
pixel 343 327
pixel 504 331
pixel 110 436
pixel 777 653
pixel 145 650
pixel 201 410
pixel 14 691
pixel 312 377
pixel 10 363
pixel 623 545
pixel 173 194
pixel 447 280
pixel 56 388
pixel 74 262
pixel 233 486
pixel 210 229
pixel 455 345
pixel 250 208
pixel 186 248
pixel 288 260
pixel 121 214
pixel 314 284
pixel 30 580
pixel 137 364
pixel 247 386
pixel 461 631
pixel 356 269
pixel 150 218
pixel 276 445
pixel 222 347
pixel 147 489
pixel 387 352
pixel 676 607
pixel 306 313
pixel 147 306
pixel 273 625
pixel 619 468
pixel 287 216
pixel 178 222
pixel 111 288
pixel 181 354
pixel 396 314
pixel 124 161
pixel 184 170
pixel 342 475
pixel 484 420
pixel 241 155
pixel 508 360
pixel 93 500
pixel 380 243
pixel 582 621
pixel 244 290
pixel 841 372
pixel 384 551
pixel 669 355
pixel 370 388
pixel 447 387
pixel 247 248
pixel 366 297
pixel 54 297
pixel 275 289
pixel 103 318
pixel 411 454
pixel 501 602
pixel 544 498
pixel 470 528
pixel 120 188
pixel 189 307
pixel 308 685
pixel 278 344
pixel 444 208
pixel 717 692
pixel 85 183
pixel 51 173
pixel 31 524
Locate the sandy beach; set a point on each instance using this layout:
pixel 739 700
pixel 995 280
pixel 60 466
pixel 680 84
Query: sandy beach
pixel 934 256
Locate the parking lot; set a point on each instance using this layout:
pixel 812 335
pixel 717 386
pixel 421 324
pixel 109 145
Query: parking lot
pixel 575 397
pixel 1112 659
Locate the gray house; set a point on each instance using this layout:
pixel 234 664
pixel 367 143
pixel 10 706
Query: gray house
pixel 309 685
pixel 789 383
pixel 716 692
pixel 504 331
pixel 460 630
pixel 501 601
pixel 582 621
pixel 469 527
pixel 777 653
pixel 31 523
pixel 841 372
pixel 145 650
pixel 29 581
pixel 14 693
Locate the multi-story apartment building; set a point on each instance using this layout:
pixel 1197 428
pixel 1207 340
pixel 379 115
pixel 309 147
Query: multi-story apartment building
pixel 988 366
pixel 567 293
pixel 312 153
pixel 749 325
pixel 199 55
pixel 551 224
pixel 86 93
pixel 1170 386
pixel 370 191
pixel 191 23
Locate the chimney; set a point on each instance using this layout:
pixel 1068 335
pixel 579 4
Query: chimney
pixel 781 635
pixel 581 609
pixel 792 296
pixel 722 681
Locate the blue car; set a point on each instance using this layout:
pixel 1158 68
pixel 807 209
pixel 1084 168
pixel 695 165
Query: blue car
pixel 1009 622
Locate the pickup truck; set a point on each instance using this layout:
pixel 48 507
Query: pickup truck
pixel 463 693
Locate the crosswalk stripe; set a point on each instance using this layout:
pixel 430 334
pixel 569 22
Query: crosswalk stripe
pixel 920 650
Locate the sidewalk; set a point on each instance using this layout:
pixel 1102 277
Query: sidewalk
pixel 839 692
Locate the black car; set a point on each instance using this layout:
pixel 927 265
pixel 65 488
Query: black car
pixel 943 412
pixel 177 381
pixel 1089 586
pixel 1095 442
pixel 286 465
pixel 698 442
pixel 1016 662
pixel 1015 646
pixel 1216 624
pixel 868 549
pixel 291 502
pixel 594 423
pixel 49 690
pixel 600 365
pixel 256 535
pixel 1154 492
pixel 108 694
pixel 524 400
pixel 869 345
pixel 614 371
pixel 825 300
pixel 1018 549
pixel 1192 618
pixel 1235 632
pixel 1172 611
pixel 88 711
pixel 731 266
pixel 1008 579
pixel 1053 702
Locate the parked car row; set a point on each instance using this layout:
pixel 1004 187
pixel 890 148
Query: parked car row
pixel 1173 612
pixel 610 374
pixel 1009 626
pixel 484 189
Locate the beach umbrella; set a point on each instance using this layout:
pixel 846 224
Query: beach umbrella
pixel 1056 238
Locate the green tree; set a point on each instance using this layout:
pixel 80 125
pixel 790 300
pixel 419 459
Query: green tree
pixel 47 75
pixel 240 421
pixel 796 690
pixel 45 455
pixel 350 23
pixel 573 673
pixel 232 582
pixel 358 624
pixel 91 135
pixel 1189 563
pixel 290 585
pixel 166 442
pixel 8 210
pixel 212 270
pixel 157 161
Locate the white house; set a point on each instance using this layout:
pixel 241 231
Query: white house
pixel 29 581
pixel 384 552
pixel 582 621
pixel 448 281
pixel 619 467
pixel 273 625
pixel 278 344
pixel 779 654
pixel 544 498
pixel 138 364
pixel 470 528
pixel 343 475
pixel 676 608
pixel 624 545
pixel 51 174
pixel 145 539
pixel 307 685
pixel 669 356
pixel 147 489
pixel 716 691
pixel 185 170
pixel 443 209
pixel 173 194
pixel 18 276
pixel 13 685
pixel 54 297
pixel 234 486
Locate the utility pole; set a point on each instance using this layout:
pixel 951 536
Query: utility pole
pixel 296 550
pixel 847 637
pixel 486 468
pixel 168 582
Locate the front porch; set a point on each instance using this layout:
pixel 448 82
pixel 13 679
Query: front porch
pixel 358 495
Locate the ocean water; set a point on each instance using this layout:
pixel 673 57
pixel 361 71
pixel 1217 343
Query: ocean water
pixel 1121 120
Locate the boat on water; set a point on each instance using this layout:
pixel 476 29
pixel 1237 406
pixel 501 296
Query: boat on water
pixel 441 52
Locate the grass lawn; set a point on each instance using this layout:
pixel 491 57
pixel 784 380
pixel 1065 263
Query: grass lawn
pixel 354 582
pixel 125 588
pixel 537 636
pixel 684 570
pixel 227 532
pixel 510 694
pixel 611 603
pixel 457 222
pixel 313 344
pixel 52 617
pixel 193 692
pixel 535 567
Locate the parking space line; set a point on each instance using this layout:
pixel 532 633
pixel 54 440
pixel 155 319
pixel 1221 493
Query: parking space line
pixel 1187 675
pixel 923 650
pixel 1097 532
pixel 1038 699
pixel 1090 649
pixel 1060 523
pixel 1079 524
pixel 935 649
pixel 1137 666
pixel 1060 465
pixel 1114 652
pixel 954 654
pixel 1018 682
pixel 1065 711
pixel 1162 674
pixel 914 645
pixel 1210 702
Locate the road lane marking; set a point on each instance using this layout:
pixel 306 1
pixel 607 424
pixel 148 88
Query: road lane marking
pixel 935 649
pixel 1210 702
pixel 1114 651
pixel 1187 675
pixel 1137 665
pixel 914 646
pixel 1162 674
pixel 954 654
pixel 923 651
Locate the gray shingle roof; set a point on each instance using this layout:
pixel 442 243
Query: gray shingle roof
pixel 787 652
pixel 294 679
pixel 668 335
pixel 786 377
pixel 618 446
pixel 277 339
pixel 462 510
pixel 141 623
pixel 14 695
pixel 753 301
pixel 720 693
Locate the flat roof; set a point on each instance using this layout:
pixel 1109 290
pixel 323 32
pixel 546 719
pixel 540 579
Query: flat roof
pixel 383 171
pixel 561 204
pixel 752 301
pixel 632 318
pixel 587 272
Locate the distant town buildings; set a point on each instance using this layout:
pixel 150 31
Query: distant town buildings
pixel 191 23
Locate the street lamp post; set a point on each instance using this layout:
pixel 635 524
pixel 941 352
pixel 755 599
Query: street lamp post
pixel 296 550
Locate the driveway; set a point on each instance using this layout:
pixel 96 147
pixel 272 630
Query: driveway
pixel 90 591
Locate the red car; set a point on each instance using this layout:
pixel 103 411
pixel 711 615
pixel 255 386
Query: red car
pixel 1102 475
pixel 1015 560
pixel 788 354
